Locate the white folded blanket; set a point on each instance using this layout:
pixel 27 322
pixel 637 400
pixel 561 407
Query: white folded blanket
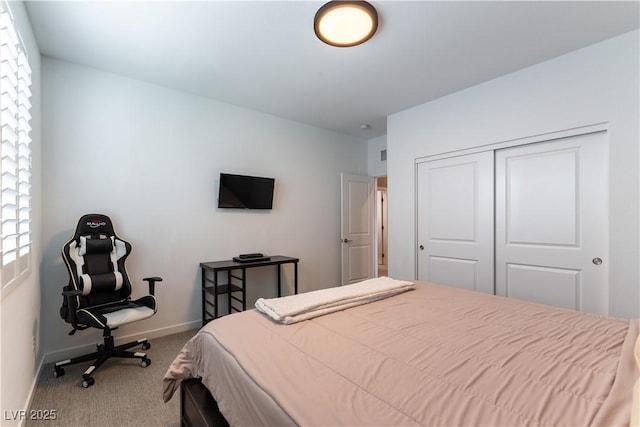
pixel 296 308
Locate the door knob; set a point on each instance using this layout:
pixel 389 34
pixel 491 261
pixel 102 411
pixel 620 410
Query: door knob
pixel 346 241
pixel 597 261
pixel 421 247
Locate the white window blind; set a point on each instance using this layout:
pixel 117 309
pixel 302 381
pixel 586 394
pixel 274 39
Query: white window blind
pixel 15 183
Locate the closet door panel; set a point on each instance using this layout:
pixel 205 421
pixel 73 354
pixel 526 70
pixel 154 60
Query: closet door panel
pixel 552 222
pixel 455 221
pixel 536 214
pixel 460 273
pixel 552 286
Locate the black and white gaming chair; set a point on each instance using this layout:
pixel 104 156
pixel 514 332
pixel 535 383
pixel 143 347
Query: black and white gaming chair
pixel 99 292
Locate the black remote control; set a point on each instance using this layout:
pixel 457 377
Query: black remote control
pixel 254 255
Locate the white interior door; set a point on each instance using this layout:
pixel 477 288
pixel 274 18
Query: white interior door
pixel 455 221
pixel 552 222
pixel 358 208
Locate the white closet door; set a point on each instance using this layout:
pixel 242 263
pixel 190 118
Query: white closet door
pixel 455 221
pixel 552 222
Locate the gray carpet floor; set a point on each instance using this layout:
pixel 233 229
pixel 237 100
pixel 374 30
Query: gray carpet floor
pixel 124 393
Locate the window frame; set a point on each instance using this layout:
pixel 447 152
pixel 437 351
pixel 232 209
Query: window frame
pixel 16 158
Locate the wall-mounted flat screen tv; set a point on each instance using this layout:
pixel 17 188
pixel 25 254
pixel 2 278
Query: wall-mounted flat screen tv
pixel 245 192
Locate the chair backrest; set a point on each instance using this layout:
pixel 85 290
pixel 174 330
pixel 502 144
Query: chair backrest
pixel 95 258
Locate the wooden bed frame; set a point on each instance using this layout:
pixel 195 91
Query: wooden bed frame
pixel 197 407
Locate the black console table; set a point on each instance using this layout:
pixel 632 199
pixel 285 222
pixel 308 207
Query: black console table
pixel 235 292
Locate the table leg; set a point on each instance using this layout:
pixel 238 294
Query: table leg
pixel 215 294
pixel 229 293
pixel 244 289
pixel 204 296
pixel 279 267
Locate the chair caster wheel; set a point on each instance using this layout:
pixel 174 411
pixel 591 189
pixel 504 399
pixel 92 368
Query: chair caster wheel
pixel 145 362
pixel 58 372
pixel 146 346
pixel 88 382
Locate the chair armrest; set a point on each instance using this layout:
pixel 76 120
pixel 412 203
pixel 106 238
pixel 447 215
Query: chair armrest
pixel 152 283
pixel 72 293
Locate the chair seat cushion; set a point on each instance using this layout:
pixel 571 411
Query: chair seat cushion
pixel 119 313
pixel 128 315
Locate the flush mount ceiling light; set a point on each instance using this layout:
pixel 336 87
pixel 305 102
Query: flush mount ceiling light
pixel 345 23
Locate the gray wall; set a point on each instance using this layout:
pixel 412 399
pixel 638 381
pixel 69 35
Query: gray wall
pixel 377 167
pixel 597 84
pixel 150 158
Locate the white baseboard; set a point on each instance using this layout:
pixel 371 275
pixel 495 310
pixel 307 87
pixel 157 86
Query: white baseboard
pixel 32 389
pixel 88 348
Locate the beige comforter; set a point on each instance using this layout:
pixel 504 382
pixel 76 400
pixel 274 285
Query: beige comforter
pixel 435 356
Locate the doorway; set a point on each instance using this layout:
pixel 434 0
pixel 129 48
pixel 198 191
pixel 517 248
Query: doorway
pixel 382 238
pixel 364 236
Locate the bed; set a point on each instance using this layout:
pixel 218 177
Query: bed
pixel 434 355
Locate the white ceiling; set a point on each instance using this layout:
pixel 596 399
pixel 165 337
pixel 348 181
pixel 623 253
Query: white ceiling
pixel 264 55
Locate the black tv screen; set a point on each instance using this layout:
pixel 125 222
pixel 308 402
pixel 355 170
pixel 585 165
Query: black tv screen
pixel 245 192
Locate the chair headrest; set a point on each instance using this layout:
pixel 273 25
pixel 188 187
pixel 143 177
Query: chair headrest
pixel 95 246
pixel 95 225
